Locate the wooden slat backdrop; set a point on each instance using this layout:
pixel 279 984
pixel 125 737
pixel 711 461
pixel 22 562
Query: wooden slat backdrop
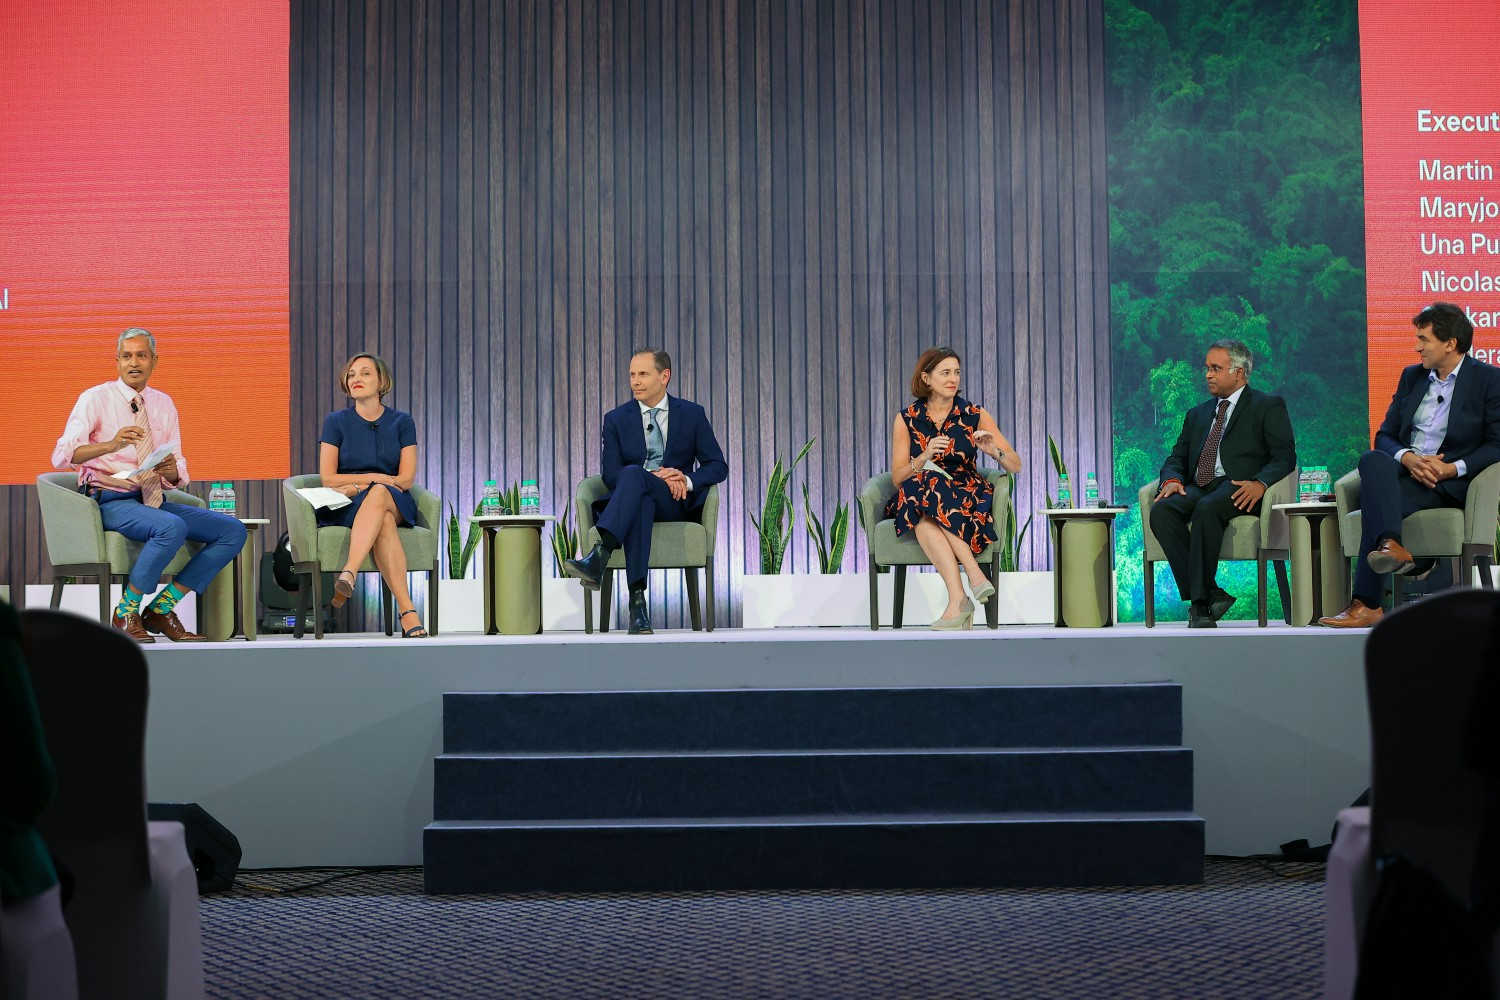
pixel 792 198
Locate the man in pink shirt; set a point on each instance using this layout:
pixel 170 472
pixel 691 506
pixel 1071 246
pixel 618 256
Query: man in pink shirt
pixel 113 429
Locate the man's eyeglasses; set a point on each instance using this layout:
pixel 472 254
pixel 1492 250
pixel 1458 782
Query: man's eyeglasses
pixel 1216 369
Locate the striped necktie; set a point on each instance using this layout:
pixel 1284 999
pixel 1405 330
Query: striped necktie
pixel 149 480
pixel 1210 456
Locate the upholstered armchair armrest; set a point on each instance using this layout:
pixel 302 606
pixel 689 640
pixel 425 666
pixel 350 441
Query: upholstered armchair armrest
pixel 183 497
pixel 1146 497
pixel 708 514
pixel 1275 533
pixel 301 518
pixel 71 521
pixel 590 490
pixel 429 509
pixel 872 500
pixel 1480 507
pixel 1346 493
pixel 1000 505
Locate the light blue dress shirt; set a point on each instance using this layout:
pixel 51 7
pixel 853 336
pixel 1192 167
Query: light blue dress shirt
pixel 1430 423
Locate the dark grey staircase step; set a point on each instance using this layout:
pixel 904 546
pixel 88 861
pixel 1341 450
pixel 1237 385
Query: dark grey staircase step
pixel 967 780
pixel 870 851
pixel 813 718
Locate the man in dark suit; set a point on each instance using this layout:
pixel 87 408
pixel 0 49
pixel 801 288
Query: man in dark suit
pixel 660 457
pixel 1441 430
pixel 1231 450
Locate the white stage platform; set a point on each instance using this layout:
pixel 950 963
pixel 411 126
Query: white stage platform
pixel 321 753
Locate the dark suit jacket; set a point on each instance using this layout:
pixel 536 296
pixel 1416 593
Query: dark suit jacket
pixel 691 445
pixel 1473 421
pixel 1257 443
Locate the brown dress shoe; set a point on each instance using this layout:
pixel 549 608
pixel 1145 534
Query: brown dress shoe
pixel 131 626
pixel 170 626
pixel 1356 615
pixel 1391 557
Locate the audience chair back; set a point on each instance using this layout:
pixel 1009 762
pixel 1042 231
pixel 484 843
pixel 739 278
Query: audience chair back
pixel 888 551
pixel 685 545
pixel 134 912
pixel 1263 537
pixel 78 545
pixel 318 550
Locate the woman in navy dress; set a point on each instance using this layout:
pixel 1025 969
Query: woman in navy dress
pixel 369 454
pixel 950 514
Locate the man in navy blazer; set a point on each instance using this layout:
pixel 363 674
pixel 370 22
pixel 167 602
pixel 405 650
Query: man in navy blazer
pixel 1232 448
pixel 659 458
pixel 1441 430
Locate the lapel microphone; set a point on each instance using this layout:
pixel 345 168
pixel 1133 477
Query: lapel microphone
pixel 373 425
pixel 134 408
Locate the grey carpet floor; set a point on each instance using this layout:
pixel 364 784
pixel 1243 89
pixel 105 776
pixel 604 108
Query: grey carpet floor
pixel 1252 930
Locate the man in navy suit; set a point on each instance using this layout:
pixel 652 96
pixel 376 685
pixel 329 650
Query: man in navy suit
pixel 659 458
pixel 1441 430
pixel 1231 450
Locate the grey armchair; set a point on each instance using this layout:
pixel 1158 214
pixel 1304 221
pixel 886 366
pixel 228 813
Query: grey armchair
pixel 1264 538
pixel 1463 536
pixel 684 545
pixel 78 545
pixel 318 550
pixel 887 550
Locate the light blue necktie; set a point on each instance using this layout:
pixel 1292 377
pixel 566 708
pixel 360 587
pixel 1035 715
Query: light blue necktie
pixel 655 446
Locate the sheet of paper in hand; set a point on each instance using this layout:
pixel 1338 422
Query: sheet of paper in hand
pixel 152 460
pixel 324 496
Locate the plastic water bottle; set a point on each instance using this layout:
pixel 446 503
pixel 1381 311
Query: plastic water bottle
pixel 489 500
pixel 231 507
pixel 531 498
pixel 1091 491
pixel 1064 491
pixel 215 498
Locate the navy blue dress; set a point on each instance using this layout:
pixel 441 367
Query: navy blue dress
pixel 363 449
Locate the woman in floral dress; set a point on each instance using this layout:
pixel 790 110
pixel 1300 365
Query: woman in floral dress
pixel 940 493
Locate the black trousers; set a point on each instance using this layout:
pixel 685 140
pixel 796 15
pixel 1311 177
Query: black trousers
pixel 1190 527
pixel 1387 493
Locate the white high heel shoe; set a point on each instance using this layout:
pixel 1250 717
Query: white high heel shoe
pixel 962 622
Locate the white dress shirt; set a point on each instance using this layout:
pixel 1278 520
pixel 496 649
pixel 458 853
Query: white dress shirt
pixel 1234 400
pixel 661 423
pixel 1429 425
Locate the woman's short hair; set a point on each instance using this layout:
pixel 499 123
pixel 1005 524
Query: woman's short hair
pixel 930 359
pixel 381 369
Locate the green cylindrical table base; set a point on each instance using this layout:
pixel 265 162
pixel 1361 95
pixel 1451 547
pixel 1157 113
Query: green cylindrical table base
pixel 216 606
pixel 1317 561
pixel 1084 568
pixel 518 580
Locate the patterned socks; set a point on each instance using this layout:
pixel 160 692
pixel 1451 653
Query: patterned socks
pixel 167 599
pixel 130 602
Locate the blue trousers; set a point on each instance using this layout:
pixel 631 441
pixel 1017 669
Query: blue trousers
pixel 1387 493
pixel 163 530
pixel 639 500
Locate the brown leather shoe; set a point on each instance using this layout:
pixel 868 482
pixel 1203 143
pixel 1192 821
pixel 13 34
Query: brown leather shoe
pixel 1391 557
pixel 1356 615
pixel 131 626
pixel 170 626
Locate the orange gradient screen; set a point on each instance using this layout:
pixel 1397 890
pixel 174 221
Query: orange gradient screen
pixel 144 182
pixel 1432 174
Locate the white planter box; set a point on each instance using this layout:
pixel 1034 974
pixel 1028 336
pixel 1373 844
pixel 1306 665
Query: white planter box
pixel 562 605
pixel 804 600
pixel 460 605
pixel 83 599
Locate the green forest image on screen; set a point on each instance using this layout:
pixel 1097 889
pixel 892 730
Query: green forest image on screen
pixel 1236 211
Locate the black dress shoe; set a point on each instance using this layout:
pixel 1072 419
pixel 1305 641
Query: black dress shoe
pixel 640 621
pixel 590 569
pixel 1221 603
pixel 1199 616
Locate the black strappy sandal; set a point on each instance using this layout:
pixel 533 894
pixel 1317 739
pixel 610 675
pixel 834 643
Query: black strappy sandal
pixel 417 631
pixel 343 590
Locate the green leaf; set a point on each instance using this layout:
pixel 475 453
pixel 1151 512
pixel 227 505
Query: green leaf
pixel 1057 462
pixel 838 539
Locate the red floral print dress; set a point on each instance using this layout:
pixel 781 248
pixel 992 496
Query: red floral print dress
pixel 963 504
